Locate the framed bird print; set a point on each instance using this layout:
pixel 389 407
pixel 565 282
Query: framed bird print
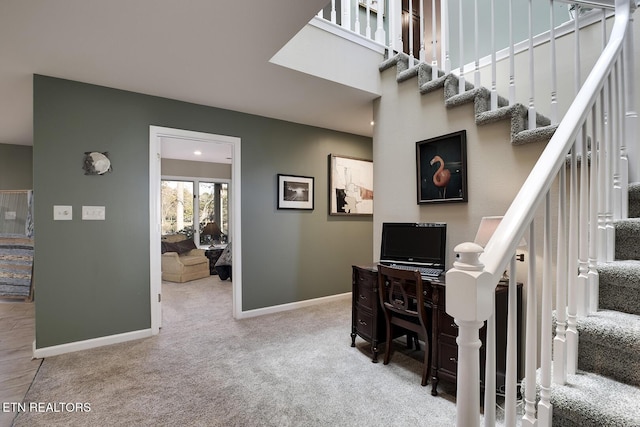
pixel 441 164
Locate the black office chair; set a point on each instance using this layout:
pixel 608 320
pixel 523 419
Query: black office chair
pixel 402 298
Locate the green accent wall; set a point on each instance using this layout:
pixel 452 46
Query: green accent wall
pixel 92 277
pixel 16 170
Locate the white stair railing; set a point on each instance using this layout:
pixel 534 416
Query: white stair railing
pixel 598 114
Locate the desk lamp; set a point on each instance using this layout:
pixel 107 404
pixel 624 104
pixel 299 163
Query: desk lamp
pixel 213 230
pixel 488 225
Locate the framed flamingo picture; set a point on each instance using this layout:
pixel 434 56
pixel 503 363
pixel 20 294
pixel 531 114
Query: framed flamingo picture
pixel 442 168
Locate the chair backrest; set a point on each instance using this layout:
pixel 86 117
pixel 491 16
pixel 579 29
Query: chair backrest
pixel 402 292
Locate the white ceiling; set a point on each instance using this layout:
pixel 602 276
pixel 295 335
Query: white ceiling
pixel 209 52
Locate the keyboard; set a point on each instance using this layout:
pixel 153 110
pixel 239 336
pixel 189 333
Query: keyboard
pixel 424 271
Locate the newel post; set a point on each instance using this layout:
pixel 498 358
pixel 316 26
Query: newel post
pixel 469 300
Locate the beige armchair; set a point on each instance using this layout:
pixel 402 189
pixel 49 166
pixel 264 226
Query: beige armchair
pixel 181 260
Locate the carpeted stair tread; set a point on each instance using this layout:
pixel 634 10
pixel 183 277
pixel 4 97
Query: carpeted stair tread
pixel 634 200
pixel 620 286
pixel 543 133
pixel 609 345
pixel 627 232
pixel 481 97
pixel 587 400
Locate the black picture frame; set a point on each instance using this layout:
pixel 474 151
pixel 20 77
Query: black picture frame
pixel 443 160
pixel 296 192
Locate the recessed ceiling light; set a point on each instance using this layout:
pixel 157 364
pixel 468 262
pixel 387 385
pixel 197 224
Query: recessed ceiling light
pixel 372 123
pixel 197 153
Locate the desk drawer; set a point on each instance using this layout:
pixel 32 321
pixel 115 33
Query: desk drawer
pixel 448 357
pixel 364 323
pixel 367 297
pixel 446 325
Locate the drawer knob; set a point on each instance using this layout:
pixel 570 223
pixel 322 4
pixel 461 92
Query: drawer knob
pixel 453 359
pixel 362 297
pixel 453 325
pixel 362 322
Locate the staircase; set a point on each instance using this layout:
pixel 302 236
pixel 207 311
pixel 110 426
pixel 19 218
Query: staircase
pixel 606 389
pixel 480 97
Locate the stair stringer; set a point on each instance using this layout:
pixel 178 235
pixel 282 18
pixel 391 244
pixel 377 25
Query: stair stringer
pixel 481 98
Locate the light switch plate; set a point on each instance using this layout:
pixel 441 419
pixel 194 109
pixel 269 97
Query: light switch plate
pixel 62 213
pixel 9 215
pixel 93 213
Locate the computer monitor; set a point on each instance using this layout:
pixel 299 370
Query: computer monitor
pixel 414 243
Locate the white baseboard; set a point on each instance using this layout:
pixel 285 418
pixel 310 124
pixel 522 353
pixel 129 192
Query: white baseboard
pixel 39 353
pixel 291 306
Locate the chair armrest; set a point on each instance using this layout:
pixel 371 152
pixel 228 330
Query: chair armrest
pixel 170 255
pixel 196 252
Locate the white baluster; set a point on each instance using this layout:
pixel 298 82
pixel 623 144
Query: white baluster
pixel 593 213
pixel 631 115
pixel 333 11
pixel 582 294
pixel 532 108
pixel 574 228
pixel 356 25
pixel 490 370
pixel 602 182
pixel 554 74
pixel 511 377
pixel 476 25
pixel 572 267
pixel 368 24
pixel 512 64
pixel 380 35
pixel 623 171
pixel 610 149
pixel 434 41
pixel 616 122
pixel 544 405
pixel 422 53
pixel 560 340
pixel 494 91
pixel 531 353
pixel 461 81
pixel 410 17
pixel 444 35
pixel 345 7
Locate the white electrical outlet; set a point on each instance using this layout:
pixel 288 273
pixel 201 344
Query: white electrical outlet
pixel 9 215
pixel 93 213
pixel 62 213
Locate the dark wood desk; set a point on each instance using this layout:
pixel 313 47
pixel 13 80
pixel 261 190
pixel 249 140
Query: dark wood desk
pixel 368 323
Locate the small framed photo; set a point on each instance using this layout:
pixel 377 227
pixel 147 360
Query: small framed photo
pixel 295 192
pixel 441 164
pixel 350 186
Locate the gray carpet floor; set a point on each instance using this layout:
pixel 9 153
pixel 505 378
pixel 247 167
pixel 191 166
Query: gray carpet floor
pixel 295 368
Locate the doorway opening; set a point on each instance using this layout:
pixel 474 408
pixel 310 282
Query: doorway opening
pixel 230 221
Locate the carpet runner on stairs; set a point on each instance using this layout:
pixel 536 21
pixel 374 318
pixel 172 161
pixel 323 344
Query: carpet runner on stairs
pixel 481 98
pixel 606 389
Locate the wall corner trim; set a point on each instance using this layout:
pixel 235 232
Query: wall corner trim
pixel 40 353
pixel 291 306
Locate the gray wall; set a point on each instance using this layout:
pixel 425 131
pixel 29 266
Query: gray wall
pixel 16 167
pixel 93 277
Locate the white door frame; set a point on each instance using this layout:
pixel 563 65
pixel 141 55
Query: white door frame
pixel 156 133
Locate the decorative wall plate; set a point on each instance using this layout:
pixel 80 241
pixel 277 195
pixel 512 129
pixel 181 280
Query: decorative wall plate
pixel 96 163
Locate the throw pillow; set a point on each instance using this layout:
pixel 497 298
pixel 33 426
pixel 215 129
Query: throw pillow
pixel 185 246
